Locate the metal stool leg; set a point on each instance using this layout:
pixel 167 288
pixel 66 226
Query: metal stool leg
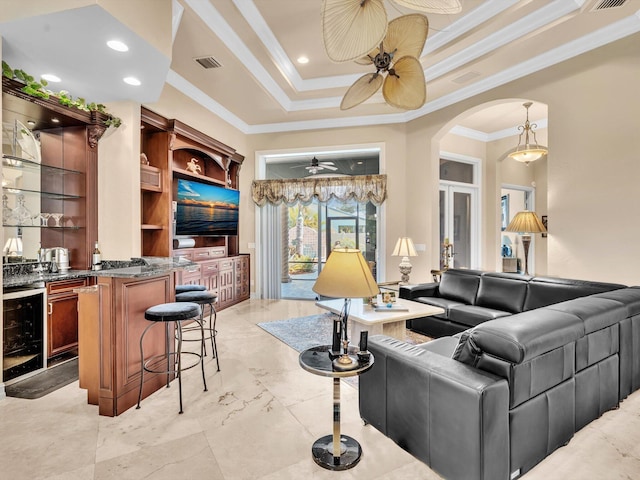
pixel 214 344
pixel 202 347
pixel 179 352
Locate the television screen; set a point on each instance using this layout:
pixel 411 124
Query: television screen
pixel 204 209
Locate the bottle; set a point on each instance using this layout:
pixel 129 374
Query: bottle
pixel 39 253
pixel 96 263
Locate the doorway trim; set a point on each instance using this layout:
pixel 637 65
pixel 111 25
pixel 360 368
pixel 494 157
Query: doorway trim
pixel 475 191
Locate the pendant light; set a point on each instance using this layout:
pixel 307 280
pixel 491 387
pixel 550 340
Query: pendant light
pixel 528 152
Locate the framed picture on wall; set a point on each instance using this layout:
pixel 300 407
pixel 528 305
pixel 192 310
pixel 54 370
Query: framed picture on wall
pixel 504 208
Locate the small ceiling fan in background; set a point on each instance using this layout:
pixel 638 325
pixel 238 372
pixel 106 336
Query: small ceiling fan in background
pixel 316 166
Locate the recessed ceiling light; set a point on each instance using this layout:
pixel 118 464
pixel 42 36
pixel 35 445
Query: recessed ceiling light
pixel 303 59
pixel 50 77
pixel 132 81
pixel 117 45
pixel 31 123
pixel 55 120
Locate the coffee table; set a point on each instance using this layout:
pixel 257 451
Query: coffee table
pixel 335 451
pixel 387 322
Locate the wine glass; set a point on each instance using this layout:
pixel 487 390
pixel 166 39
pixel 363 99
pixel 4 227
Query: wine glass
pixel 44 219
pixel 56 217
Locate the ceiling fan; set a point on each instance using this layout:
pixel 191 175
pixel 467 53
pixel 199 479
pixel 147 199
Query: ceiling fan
pixel 397 55
pixel 316 166
pixel 352 28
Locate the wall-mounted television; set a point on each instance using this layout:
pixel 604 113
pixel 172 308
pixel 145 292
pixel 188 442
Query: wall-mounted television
pixel 203 209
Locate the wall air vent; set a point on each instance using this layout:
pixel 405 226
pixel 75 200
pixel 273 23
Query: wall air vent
pixel 606 4
pixel 208 62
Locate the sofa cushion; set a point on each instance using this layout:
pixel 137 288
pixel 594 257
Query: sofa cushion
pixel 444 346
pixel 460 285
pixel 518 338
pixel 472 315
pixel 543 291
pixel 595 313
pixel 444 303
pixel 629 297
pixel 502 292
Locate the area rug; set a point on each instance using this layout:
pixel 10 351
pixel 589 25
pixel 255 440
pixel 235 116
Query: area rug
pixel 45 382
pixel 305 332
pixel 302 332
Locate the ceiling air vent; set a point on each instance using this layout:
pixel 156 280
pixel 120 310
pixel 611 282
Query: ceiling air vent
pixel 208 62
pixel 606 4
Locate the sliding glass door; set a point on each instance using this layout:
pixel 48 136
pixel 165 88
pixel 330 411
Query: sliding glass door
pixel 314 229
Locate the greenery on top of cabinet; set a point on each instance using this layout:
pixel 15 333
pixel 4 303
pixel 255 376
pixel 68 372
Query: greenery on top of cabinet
pixel 38 89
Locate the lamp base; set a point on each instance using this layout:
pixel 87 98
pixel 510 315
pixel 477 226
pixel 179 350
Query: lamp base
pixel 345 362
pixel 405 270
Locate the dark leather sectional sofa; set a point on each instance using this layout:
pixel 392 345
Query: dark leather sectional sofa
pixel 538 360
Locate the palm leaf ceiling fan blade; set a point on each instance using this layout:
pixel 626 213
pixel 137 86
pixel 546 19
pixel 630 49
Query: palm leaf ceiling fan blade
pixel 432 6
pixel 407 35
pixel 352 28
pixel 361 90
pixel 405 87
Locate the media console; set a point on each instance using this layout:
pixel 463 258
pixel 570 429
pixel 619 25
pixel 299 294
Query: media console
pixel 182 168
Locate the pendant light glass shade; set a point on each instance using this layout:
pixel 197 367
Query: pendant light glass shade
pixel 352 28
pixel 432 6
pixel 528 152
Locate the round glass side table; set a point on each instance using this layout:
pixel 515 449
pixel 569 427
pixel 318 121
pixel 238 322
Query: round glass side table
pixel 335 451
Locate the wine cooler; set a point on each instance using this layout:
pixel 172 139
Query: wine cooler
pixel 23 345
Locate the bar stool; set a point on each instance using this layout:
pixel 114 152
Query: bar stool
pixel 190 288
pixel 202 298
pixel 166 313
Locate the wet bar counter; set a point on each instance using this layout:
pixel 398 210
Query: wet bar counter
pixel 111 321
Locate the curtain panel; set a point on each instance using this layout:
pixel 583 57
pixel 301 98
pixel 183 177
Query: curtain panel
pixel 362 188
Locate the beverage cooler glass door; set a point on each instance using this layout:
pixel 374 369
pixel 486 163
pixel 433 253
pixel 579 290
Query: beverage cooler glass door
pixel 23 333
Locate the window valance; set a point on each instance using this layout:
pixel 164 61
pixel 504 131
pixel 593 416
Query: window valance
pixel 363 188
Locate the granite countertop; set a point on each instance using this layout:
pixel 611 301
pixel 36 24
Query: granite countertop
pixel 144 267
pixel 154 266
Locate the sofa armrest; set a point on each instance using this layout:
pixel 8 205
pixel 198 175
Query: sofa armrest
pixel 409 292
pixel 451 416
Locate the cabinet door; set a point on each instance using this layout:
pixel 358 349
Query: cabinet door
pixel 210 275
pixel 226 293
pixel 62 323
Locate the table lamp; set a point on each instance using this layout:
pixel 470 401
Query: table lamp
pixel 526 223
pixel 404 248
pixel 346 274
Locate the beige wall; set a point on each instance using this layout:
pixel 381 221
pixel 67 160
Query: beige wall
pixel 119 185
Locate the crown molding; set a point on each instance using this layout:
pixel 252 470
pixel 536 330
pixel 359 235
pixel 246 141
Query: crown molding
pixel 538 19
pixel 603 36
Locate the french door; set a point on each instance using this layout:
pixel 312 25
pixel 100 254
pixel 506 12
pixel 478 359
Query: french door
pixel 459 224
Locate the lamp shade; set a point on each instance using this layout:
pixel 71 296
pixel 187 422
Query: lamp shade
pixel 346 275
pixel 526 222
pixel 13 247
pixel 404 248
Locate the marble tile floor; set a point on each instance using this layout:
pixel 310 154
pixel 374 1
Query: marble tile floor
pixel 257 421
